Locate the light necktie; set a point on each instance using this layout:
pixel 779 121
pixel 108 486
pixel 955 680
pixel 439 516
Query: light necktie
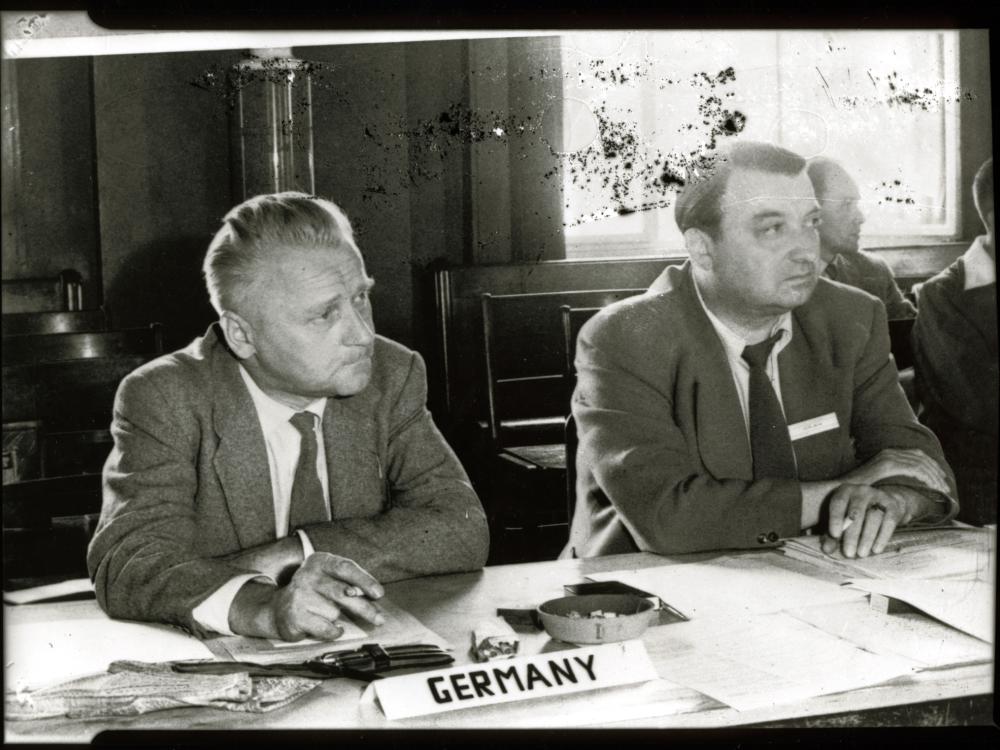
pixel 769 441
pixel 307 504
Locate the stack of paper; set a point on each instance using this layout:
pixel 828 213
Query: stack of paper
pixel 958 552
pixel 729 586
pixel 758 661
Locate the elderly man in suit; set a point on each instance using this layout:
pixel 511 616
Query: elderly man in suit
pixel 742 398
pixel 281 467
pixel 841 258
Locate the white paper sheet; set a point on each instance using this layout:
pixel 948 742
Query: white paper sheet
pixel 730 586
pixel 758 661
pixel 967 605
pixel 351 632
pixel 924 554
pixel 45 644
pixel 912 636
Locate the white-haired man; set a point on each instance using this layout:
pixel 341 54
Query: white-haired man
pixel 281 467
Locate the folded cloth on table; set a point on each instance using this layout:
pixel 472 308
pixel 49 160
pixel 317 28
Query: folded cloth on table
pixel 130 688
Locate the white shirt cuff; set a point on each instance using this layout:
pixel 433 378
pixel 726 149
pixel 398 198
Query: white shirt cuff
pixel 213 613
pixel 307 548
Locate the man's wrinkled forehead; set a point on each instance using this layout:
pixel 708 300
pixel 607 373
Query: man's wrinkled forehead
pixel 760 190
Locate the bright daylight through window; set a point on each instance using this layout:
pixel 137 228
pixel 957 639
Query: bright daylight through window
pixel 639 107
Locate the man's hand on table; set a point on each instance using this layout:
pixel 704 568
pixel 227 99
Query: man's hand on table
pixel 310 604
pixel 862 519
pixel 277 560
pixel 895 462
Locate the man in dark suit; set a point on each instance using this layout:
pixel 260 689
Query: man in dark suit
pixel 841 257
pixel 742 398
pixel 955 357
pixel 278 469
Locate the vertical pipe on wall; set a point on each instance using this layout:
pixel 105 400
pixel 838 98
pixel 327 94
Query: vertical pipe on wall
pixel 271 124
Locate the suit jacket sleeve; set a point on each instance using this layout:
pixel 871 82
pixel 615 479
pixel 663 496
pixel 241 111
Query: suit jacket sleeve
pixel 648 467
pixel 897 306
pixel 434 522
pixel 882 418
pixel 142 557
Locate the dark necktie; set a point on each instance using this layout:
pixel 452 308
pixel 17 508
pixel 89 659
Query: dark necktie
pixel 769 442
pixel 307 504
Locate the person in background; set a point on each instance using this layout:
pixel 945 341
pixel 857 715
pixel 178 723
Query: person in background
pixel 955 358
pixel 839 234
pixel 280 468
pixel 743 398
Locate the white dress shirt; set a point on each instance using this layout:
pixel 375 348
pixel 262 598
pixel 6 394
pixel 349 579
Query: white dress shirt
pixel 283 444
pixel 734 344
pixel 980 268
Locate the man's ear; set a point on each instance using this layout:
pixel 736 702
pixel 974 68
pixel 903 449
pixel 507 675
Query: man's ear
pixel 699 247
pixel 238 333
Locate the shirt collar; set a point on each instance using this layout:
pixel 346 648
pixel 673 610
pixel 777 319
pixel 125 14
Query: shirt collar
pixel 733 343
pixel 274 413
pixel 980 269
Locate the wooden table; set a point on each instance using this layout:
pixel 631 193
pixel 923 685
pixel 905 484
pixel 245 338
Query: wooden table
pixel 451 605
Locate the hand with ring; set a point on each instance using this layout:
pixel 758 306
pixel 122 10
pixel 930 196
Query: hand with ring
pixel 862 519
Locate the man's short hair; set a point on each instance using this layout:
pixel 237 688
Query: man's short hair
pixel 262 226
pixel 820 169
pixel 982 189
pixel 699 204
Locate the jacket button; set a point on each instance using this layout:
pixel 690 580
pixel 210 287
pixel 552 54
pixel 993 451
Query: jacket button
pixel 762 539
pixel 772 537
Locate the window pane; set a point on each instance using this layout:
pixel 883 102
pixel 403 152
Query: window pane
pixel 641 105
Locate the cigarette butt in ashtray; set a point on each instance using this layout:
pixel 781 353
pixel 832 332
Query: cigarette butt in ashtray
pixel 494 639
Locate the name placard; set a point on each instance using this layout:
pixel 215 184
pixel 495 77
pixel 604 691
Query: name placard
pixel 813 426
pixel 523 678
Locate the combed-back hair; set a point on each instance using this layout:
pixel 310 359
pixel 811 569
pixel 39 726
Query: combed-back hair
pixel 982 189
pixel 699 204
pixel 262 226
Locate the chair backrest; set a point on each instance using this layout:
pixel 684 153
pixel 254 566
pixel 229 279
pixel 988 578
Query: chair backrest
pixel 33 349
pixel 62 292
pixel 47 524
pixel 900 343
pixel 573 319
pixel 523 352
pixel 73 321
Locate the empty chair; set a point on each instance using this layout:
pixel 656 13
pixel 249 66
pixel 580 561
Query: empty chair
pixel 72 321
pixel 47 525
pixel 527 405
pixel 32 349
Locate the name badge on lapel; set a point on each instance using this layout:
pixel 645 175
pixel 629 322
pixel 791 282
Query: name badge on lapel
pixel 813 426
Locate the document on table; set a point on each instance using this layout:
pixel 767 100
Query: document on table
pixel 46 644
pixel 968 605
pixel 730 586
pixel 756 661
pixel 958 552
pixel 400 627
pixel 912 636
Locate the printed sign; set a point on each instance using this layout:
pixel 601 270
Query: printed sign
pixel 523 678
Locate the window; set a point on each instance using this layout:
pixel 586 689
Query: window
pixel 640 105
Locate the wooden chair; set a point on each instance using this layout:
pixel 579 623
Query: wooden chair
pixel 527 407
pixel 73 321
pixel 68 381
pixel 901 346
pixel 62 292
pixel 31 349
pixel 47 525
pixel 573 319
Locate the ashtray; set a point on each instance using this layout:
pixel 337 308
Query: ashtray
pixel 597 618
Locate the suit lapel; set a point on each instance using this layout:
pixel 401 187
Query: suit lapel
pixel 721 429
pixel 349 439
pixel 810 387
pixel 241 457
